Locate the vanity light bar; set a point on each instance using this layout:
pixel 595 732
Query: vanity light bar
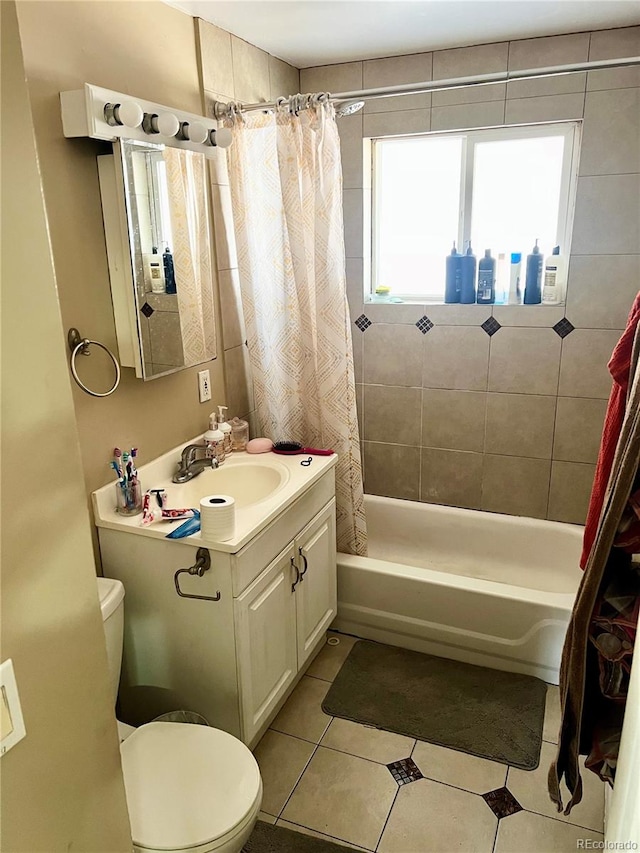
pixel 103 114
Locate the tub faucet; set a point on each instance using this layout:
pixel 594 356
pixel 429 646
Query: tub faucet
pixel 190 465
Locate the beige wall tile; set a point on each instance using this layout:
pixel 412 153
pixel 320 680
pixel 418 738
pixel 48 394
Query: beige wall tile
pixel 529 833
pixel 466 62
pixel 406 314
pixel 284 79
pixel 428 816
pixel 393 71
pixel 543 53
pixel 392 470
pixel 459 769
pixel 350 131
pixel 451 477
pixel 226 251
pixel 392 414
pixel 515 485
pixel 343 77
pixel 215 53
pixel 536 316
pixel 250 72
pixel 550 108
pixel 353 205
pixel 281 759
pixel 570 490
pixel 360 408
pixel 592 306
pixel 612 44
pixel 530 790
pixel 358 345
pixel 343 796
pixel 520 425
pixel 393 123
pixel 611 133
pixel 453 419
pixel 355 286
pixel 578 429
pixel 458 315
pixel 457 358
pixel 612 199
pixel 237 373
pixel 393 355
pixel 583 366
pixel 524 361
pixel 462 116
pixel 366 741
pixel 302 715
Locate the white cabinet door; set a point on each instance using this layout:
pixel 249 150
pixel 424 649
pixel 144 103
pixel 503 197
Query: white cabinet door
pixel 316 596
pixel 265 628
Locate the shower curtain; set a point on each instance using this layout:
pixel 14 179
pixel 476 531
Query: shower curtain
pixel 286 188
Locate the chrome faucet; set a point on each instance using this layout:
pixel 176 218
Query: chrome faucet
pixel 190 465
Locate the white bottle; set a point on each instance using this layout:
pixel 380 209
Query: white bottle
pixel 225 429
pixel 515 294
pixel 214 439
pixel 154 271
pixel 555 278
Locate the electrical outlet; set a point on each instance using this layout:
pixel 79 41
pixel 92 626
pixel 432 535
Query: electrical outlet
pixel 204 385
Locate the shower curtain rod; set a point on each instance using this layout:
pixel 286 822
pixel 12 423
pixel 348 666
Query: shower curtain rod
pixel 220 109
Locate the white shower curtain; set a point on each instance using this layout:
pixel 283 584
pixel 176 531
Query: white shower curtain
pixel 286 186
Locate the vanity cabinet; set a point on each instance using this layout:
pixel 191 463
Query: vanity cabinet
pixel 234 660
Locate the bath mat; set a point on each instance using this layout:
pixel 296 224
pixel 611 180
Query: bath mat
pixel 485 712
pixel 267 838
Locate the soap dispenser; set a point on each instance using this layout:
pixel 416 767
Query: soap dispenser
pixel 214 439
pixel 533 280
pixel 225 429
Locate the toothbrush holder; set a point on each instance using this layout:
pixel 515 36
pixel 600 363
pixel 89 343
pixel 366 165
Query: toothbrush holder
pixel 129 497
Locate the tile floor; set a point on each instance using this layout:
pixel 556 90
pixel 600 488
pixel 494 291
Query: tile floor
pixel 329 777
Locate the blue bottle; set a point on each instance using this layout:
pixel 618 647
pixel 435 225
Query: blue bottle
pixel 487 279
pixel 169 273
pixel 468 277
pixel 453 279
pixel 533 280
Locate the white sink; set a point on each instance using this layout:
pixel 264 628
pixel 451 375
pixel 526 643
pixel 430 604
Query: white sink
pixel 247 482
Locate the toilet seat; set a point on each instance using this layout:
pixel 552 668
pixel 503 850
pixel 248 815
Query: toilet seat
pixel 188 787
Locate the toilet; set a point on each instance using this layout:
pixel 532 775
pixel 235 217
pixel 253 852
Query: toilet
pixel 190 788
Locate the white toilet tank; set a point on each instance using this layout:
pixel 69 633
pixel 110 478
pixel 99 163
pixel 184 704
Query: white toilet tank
pixel 111 594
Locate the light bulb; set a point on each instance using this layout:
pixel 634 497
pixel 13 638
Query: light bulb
pixel 167 124
pixel 194 131
pixel 222 138
pixel 126 114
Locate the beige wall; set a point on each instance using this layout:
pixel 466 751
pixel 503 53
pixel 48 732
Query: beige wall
pixel 62 784
pixel 234 70
pixel 146 49
pixel 509 423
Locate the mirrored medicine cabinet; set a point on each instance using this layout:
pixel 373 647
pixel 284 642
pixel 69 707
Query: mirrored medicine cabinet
pixel 156 216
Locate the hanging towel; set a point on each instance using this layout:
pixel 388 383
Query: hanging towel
pixel 619 367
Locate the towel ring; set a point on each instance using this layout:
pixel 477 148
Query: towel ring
pixel 78 344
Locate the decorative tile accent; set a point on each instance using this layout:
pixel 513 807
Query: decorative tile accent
pixel 502 802
pixel 491 326
pixel 405 771
pixel 363 322
pixel 563 328
pixel 147 310
pixel 424 324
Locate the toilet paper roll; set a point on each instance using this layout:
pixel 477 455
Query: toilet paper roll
pixel 218 517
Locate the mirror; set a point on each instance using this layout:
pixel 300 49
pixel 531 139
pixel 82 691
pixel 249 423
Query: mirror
pixel 165 210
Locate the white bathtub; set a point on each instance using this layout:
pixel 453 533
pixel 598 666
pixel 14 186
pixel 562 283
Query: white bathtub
pixel 489 589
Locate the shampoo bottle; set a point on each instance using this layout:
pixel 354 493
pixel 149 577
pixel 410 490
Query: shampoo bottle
pixel 533 281
pixel 154 272
pixel 169 272
pixel 225 429
pixel 487 279
pixel 515 294
pixel 214 439
pixel 555 278
pixel 453 276
pixel 468 277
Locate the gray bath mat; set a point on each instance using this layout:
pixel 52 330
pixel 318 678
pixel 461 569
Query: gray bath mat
pixel 485 712
pixel 267 838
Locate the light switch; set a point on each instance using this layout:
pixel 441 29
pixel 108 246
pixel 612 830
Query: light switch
pixel 12 728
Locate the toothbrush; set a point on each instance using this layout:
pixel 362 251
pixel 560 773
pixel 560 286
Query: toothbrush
pixel 117 454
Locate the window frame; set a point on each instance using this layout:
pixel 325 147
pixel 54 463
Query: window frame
pixel 571 130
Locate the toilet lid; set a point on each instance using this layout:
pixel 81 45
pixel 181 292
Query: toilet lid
pixel 186 784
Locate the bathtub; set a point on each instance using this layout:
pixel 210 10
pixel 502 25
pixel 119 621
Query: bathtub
pixel 489 589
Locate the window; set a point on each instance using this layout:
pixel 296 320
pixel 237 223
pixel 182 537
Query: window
pixel 499 188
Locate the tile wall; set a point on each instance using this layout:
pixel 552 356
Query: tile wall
pixel 234 70
pixel 504 416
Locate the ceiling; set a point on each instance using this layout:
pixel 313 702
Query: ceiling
pixel 320 32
